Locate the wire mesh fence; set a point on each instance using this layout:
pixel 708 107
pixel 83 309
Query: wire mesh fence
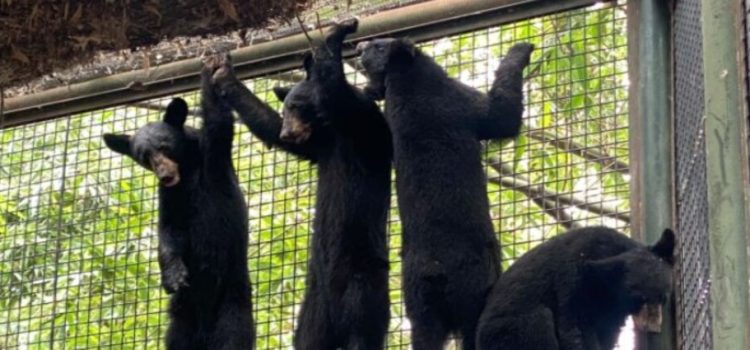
pixel 693 275
pixel 77 223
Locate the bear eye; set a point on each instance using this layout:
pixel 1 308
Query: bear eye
pixel 146 158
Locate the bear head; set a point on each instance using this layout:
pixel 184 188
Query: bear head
pixel 301 111
pixel 161 147
pixel 381 56
pixel 639 280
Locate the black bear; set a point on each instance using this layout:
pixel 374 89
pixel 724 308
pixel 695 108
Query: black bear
pixel 328 121
pixel 575 291
pixel 450 252
pixel 203 231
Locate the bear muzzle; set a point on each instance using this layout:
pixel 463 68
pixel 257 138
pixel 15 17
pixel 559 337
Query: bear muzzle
pixel 165 169
pixel 361 46
pixel 649 318
pixel 294 130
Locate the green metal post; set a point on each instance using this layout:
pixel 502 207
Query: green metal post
pixel 651 129
pixel 725 166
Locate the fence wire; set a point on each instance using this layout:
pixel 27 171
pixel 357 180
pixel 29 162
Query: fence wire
pixel 77 222
pixel 693 275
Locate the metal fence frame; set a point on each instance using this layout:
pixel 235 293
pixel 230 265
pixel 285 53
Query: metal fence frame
pixel 422 21
pixel 726 170
pixel 717 146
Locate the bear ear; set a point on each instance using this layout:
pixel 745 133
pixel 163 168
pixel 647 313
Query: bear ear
pixel 118 143
pixel 281 92
pixel 307 62
pixel 402 50
pixel 664 248
pixel 176 114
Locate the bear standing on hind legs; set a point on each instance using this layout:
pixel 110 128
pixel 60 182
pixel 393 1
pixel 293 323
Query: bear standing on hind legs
pixel 328 121
pixel 450 252
pixel 203 232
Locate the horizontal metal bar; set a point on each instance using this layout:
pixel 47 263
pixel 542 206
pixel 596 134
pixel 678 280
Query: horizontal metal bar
pixel 423 21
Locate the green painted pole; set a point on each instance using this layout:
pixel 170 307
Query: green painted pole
pixel 726 163
pixel 649 38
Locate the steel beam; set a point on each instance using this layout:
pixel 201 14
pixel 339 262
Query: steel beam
pixel 651 145
pixel 726 167
pixel 423 21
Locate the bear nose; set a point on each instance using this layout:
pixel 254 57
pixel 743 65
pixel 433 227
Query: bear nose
pixel 169 180
pixel 166 179
pixel 361 46
pixel 286 135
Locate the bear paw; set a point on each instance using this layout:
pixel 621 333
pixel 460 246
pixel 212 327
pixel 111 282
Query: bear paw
pixel 219 67
pixel 520 53
pixel 174 277
pixel 348 26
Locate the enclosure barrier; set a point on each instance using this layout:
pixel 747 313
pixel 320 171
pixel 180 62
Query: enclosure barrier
pixel 77 223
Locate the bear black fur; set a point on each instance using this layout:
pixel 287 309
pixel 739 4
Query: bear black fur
pixel 328 121
pixel 450 252
pixel 203 231
pixel 575 291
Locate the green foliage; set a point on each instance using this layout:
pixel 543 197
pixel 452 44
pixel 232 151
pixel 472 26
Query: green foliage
pixel 77 222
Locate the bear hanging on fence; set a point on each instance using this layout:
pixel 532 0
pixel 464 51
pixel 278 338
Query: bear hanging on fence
pixel 203 232
pixel 575 291
pixel 330 122
pixel 450 252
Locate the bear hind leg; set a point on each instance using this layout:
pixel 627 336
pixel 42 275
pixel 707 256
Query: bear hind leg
pixel 235 327
pixel 534 330
pixel 313 330
pixel 428 333
pixel 366 311
pixel 180 335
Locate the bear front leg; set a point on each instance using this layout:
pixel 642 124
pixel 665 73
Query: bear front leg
pixel 570 336
pixel 336 95
pixel 326 65
pixel 174 273
pixel 217 132
pixel 503 118
pixel 337 34
pixel 262 120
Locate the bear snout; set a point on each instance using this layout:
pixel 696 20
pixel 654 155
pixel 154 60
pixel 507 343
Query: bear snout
pixel 166 170
pixel 361 46
pixel 295 130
